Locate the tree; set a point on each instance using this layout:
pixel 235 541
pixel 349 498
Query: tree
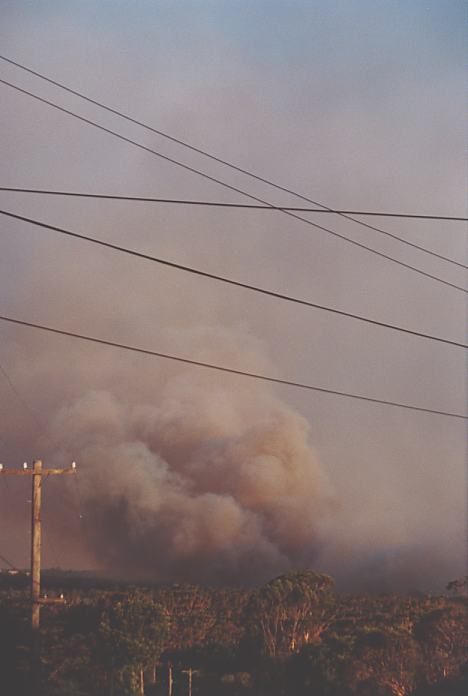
pixel 319 668
pixel 384 663
pixel 459 587
pixel 192 614
pixel 290 611
pixel 131 635
pixel 443 636
pixel 14 637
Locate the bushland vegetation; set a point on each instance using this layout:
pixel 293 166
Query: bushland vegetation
pixel 293 636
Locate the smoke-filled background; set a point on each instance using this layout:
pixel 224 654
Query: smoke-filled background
pixel 186 474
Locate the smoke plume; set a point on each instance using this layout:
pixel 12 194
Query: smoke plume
pixel 203 484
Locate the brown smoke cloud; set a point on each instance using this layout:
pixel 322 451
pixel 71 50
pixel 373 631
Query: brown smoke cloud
pixel 198 479
pixel 204 482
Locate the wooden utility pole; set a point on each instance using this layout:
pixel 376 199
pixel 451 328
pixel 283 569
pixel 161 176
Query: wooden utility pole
pixel 170 681
pixel 37 472
pixel 190 677
pixel 190 672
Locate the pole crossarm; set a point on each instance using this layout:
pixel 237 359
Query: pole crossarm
pixel 31 472
pixel 52 600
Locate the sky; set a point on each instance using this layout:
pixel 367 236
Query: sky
pixel 354 104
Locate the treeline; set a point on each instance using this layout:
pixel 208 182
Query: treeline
pixel 293 636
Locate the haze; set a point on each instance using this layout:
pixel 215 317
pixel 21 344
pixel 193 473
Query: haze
pixel 190 475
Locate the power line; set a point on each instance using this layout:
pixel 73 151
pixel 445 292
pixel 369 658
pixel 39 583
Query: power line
pixel 209 155
pixel 229 281
pixel 222 368
pixel 221 204
pixel 22 401
pixel 230 187
pixel 215 204
pixel 5 560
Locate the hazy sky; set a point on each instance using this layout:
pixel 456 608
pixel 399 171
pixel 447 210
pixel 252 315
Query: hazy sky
pixel 356 104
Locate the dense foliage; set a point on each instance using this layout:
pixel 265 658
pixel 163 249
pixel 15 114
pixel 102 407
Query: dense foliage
pixel 294 636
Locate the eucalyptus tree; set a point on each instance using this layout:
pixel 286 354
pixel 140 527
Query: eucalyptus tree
pixel 290 611
pixel 131 638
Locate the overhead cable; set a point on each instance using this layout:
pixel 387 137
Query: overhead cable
pixel 228 281
pixel 222 204
pixel 20 399
pixel 5 560
pixel 344 213
pixel 230 187
pixel 223 368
